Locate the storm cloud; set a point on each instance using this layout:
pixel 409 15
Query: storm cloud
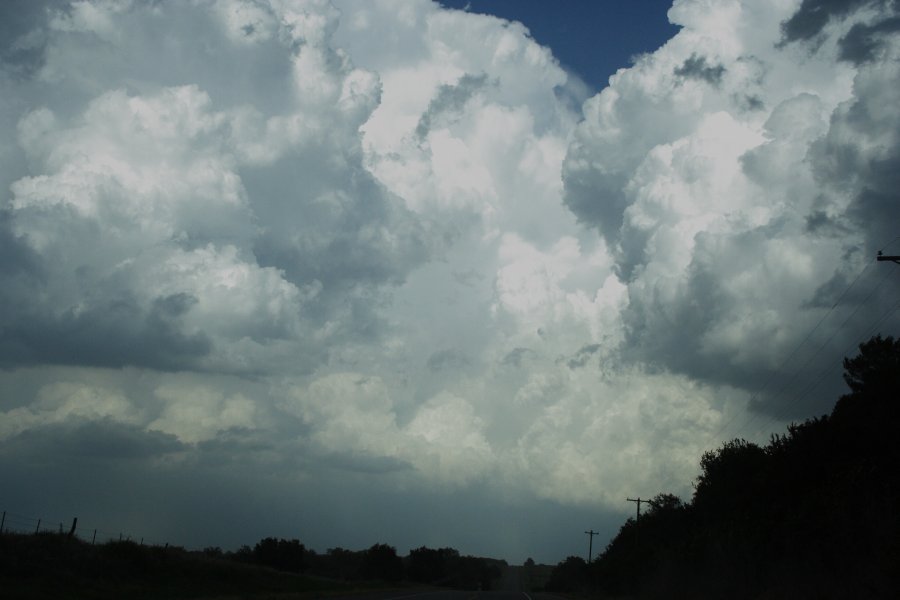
pixel 368 259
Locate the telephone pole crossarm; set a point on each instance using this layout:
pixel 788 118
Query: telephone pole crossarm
pixel 638 501
pixel 882 258
pixel 591 533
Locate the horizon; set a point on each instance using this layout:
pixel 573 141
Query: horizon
pixel 444 274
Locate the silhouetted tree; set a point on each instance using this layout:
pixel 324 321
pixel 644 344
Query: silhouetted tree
pixel 427 565
pixel 873 377
pixel 814 513
pixel 284 555
pixel 339 563
pixel 445 567
pixel 381 562
pixel 571 575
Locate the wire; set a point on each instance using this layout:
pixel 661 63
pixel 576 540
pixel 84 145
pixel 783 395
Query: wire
pixel 791 356
pixel 817 381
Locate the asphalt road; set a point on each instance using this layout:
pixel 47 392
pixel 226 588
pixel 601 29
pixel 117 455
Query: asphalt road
pixel 510 584
pixel 450 595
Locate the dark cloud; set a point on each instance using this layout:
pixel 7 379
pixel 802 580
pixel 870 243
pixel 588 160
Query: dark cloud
pixel 96 440
pixel 450 359
pixel 819 222
pixel 227 507
pixel 696 67
pixel 876 208
pixel 754 103
pixel 861 154
pixel 813 15
pixel 17 259
pixel 675 335
pixel 597 197
pixel 449 100
pixel 863 42
pixel 352 231
pixel 364 463
pixel 23 35
pixel 516 355
pixel 581 358
pixel 116 332
pixel 841 289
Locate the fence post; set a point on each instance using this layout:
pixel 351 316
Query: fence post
pixel 72 531
pixel 2 521
pixel 38 528
pixel 94 538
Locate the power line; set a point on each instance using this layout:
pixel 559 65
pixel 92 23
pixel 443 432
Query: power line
pixel 790 356
pixel 880 258
pixel 870 331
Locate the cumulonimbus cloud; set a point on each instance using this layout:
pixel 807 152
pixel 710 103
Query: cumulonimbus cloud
pixel 374 238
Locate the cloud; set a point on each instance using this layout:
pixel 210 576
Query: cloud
pixel 863 41
pixel 582 357
pixel 167 218
pixel 450 99
pixel 696 67
pixel 813 15
pixel 95 440
pixel 728 215
pixel 321 251
pixel 197 413
pixel 67 401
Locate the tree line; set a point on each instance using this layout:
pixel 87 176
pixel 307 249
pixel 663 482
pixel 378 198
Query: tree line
pixel 812 514
pixel 444 567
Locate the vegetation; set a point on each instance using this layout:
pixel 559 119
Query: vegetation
pixel 50 565
pixel 445 567
pixel 813 514
pixel 54 566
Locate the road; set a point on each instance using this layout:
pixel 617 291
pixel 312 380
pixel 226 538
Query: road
pixel 450 595
pixel 511 585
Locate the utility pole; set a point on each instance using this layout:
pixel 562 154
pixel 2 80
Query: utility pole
pixel 637 519
pixel 591 535
pixel 881 258
pixel 639 500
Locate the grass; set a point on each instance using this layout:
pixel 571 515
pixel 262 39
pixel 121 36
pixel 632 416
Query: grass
pixel 52 567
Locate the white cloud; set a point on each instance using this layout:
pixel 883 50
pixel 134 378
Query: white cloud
pixel 69 402
pixel 195 413
pixel 702 168
pixel 346 237
pixel 448 441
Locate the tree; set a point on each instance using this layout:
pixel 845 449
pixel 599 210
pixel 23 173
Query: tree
pixel 427 565
pixel 571 575
pixel 381 562
pixel 873 377
pixel 730 475
pixel 284 555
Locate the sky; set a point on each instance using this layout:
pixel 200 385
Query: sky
pixel 360 272
pixel 591 40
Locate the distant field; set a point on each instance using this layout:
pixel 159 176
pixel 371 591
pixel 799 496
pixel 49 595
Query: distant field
pixel 52 567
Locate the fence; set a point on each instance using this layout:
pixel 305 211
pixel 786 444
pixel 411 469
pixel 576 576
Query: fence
pixel 16 523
